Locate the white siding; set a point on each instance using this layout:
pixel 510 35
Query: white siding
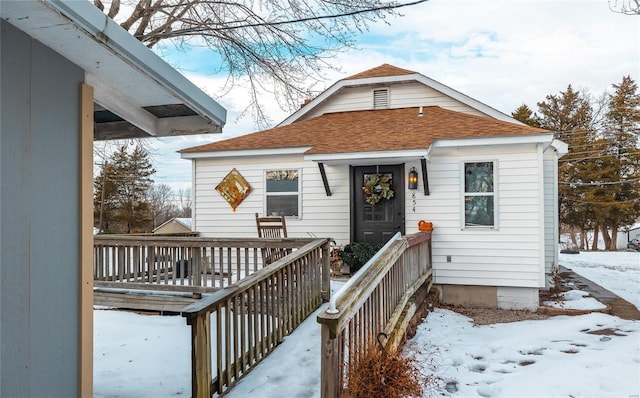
pixel 509 255
pixel 400 95
pixel 550 210
pixel 320 215
pixel 506 256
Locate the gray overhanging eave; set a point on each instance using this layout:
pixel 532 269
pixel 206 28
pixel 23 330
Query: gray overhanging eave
pixel 128 78
pixel 113 36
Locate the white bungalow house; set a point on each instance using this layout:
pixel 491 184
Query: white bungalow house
pixel 69 75
pixel 487 182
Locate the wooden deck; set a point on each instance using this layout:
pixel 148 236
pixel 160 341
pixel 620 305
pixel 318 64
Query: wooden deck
pixel 239 310
pixel 166 273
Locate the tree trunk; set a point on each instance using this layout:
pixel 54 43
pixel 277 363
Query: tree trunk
pixel 605 236
pixel 594 245
pixel 574 242
pixel 613 245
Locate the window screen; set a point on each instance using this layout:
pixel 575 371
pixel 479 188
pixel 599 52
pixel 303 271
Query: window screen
pixel 282 192
pixel 479 194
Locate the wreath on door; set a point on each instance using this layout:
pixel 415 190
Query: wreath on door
pixel 377 187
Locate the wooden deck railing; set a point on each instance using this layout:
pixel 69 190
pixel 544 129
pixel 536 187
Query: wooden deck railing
pixel 184 267
pixel 233 329
pixel 373 301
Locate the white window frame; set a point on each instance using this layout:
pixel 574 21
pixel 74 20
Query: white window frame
pixel 298 192
pixel 464 194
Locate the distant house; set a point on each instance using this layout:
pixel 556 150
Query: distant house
pixel 69 75
pixel 174 226
pixel 626 234
pixel 487 182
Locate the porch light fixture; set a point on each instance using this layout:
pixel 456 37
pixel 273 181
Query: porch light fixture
pixel 413 178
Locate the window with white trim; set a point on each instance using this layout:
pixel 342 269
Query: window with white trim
pixel 479 194
pixel 282 192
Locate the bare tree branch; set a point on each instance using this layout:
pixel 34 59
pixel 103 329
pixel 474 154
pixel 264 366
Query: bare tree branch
pixel 628 7
pixel 278 47
pixel 114 9
pixel 137 13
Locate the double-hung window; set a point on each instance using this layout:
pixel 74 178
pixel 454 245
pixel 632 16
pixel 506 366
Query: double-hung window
pixel 282 193
pixel 479 181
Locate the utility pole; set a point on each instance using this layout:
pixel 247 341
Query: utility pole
pixel 104 179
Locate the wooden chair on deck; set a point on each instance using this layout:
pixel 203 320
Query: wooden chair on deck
pixel 272 227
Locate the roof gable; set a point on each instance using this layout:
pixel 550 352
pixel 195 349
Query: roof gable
pixel 184 222
pixel 383 70
pixel 371 130
pixel 389 75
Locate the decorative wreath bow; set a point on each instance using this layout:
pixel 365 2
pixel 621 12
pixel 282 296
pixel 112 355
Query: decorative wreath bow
pixel 377 187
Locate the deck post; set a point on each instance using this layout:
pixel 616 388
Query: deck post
pixel 330 364
pixel 326 273
pixel 197 270
pixel 200 355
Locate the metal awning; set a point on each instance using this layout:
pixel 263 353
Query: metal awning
pixel 137 94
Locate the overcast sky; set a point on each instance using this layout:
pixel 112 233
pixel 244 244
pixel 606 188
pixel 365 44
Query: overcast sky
pixel 502 53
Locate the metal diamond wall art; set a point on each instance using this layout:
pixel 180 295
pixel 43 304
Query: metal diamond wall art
pixel 233 188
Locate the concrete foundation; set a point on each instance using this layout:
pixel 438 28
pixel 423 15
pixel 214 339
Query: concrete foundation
pixel 508 298
pixel 518 298
pixel 469 296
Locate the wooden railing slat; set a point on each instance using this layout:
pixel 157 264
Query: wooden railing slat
pixel 373 303
pixel 252 307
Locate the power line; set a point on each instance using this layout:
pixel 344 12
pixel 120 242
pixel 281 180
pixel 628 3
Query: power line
pixel 622 202
pixel 190 31
pixel 563 160
pixel 595 184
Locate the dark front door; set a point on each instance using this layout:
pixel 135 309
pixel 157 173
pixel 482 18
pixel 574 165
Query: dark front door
pixel 376 223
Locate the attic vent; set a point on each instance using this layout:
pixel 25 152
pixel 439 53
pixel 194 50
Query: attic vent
pixel 381 98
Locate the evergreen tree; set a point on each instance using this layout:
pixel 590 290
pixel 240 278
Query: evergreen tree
pixel 525 115
pixel 570 116
pixel 618 195
pixel 121 191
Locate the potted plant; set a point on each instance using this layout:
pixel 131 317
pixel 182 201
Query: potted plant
pixel 356 254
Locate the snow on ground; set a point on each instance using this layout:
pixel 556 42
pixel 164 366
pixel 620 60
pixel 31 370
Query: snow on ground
pixel 149 356
pixel 548 358
pixel 575 300
pixel 140 355
pixel 618 271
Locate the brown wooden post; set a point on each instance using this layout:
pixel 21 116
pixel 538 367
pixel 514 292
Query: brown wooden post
pixel 86 268
pixel 330 364
pixel 196 270
pixel 326 272
pixel 200 356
